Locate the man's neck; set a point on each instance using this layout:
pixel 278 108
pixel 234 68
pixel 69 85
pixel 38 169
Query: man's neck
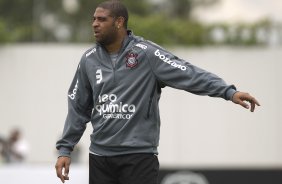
pixel 116 46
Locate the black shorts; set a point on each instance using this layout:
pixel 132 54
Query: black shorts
pixel 124 169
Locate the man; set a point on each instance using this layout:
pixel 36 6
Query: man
pixel 117 87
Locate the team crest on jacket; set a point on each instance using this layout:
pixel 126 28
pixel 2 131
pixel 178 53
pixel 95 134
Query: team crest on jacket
pixel 131 60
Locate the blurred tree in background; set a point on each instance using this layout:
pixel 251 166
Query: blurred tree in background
pixel 183 8
pixel 15 20
pixel 162 21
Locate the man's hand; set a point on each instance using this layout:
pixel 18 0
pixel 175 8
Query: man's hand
pixel 62 168
pixel 241 98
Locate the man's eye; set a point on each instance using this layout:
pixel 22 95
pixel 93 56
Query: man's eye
pixel 99 19
pixel 102 19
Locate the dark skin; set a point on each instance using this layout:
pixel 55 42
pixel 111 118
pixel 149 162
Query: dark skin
pixel 110 33
pixel 243 99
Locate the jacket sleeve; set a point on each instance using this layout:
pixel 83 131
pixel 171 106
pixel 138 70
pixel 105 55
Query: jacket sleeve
pixel 80 106
pixel 177 73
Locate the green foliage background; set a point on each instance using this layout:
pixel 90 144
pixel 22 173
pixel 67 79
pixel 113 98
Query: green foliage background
pixel 164 23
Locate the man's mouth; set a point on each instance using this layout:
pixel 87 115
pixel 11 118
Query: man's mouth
pixel 96 33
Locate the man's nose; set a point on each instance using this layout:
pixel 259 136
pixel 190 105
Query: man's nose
pixel 95 23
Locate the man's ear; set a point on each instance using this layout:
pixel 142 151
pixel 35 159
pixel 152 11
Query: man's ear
pixel 119 22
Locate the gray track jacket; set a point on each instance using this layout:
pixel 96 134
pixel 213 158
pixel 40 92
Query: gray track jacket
pixel 121 99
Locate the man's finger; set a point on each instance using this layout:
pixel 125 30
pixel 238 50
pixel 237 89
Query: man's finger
pixel 256 102
pixel 66 170
pixel 62 178
pixel 66 177
pixel 244 104
pixel 59 173
pixel 253 103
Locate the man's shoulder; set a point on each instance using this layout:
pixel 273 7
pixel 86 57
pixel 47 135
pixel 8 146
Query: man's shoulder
pixel 88 55
pixel 147 46
pixel 90 51
pixel 143 43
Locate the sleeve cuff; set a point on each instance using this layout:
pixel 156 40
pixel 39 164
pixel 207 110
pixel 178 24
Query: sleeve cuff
pixel 64 152
pixel 230 92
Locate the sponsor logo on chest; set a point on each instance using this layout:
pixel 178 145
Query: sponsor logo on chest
pixel 109 108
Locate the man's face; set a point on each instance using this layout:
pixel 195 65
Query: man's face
pixel 104 27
